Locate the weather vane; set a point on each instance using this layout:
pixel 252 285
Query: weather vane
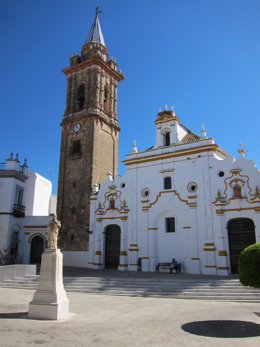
pixel 98 10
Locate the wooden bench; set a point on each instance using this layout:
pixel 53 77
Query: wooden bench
pixel 174 265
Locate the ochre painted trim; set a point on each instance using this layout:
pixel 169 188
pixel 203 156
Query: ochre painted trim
pixel 222 253
pixel 123 253
pixel 190 204
pixel 98 253
pixel 180 153
pixel 221 212
pixel 152 228
pixel 195 258
pixel 222 268
pixel 210 266
pixel 99 219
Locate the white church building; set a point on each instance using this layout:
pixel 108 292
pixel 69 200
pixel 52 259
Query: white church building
pixel 184 198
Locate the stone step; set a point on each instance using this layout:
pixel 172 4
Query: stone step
pixel 185 288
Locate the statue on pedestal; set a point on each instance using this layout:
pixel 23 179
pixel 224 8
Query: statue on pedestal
pixel 53 231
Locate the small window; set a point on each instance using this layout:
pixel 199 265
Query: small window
pixel 145 192
pixel 167 183
pixel 192 187
pixel 19 196
pixel 170 225
pixel 81 96
pixel 166 139
pixel 76 147
pixel 107 98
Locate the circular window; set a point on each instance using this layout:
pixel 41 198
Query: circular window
pixel 145 192
pixel 123 185
pixel 221 173
pixel 192 187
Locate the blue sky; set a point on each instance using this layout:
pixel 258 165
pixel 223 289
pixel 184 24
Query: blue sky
pixel 202 56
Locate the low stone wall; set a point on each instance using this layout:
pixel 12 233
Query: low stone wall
pixel 8 272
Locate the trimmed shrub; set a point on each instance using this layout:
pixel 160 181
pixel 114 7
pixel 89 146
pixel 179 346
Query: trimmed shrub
pixel 249 266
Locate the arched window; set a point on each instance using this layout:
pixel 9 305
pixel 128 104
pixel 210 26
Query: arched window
pixel 76 147
pixel 166 139
pixel 106 98
pixel 167 183
pixel 81 96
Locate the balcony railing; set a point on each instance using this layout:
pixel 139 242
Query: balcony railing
pixel 18 210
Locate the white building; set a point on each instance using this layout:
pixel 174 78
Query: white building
pixel 184 198
pixel 25 200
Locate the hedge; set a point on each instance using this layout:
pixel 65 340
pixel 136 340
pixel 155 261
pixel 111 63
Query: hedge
pixel 249 266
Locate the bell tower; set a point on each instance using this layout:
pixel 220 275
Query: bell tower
pixel 89 139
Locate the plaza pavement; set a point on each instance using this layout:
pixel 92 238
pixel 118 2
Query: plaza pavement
pixel 103 320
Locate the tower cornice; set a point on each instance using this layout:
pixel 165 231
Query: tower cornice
pixel 91 113
pixel 91 63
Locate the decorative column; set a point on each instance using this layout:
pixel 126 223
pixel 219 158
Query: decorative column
pixel 50 300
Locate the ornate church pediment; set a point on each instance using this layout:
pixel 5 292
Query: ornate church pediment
pixel 237 187
pixel 112 202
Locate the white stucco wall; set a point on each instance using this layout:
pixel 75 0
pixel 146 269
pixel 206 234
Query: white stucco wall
pixel 37 194
pixel 200 240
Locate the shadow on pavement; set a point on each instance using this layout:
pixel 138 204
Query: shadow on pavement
pixel 223 328
pixel 14 315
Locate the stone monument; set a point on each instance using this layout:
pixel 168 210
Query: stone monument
pixel 50 300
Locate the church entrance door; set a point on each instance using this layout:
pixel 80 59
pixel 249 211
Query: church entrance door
pixel 241 233
pixel 112 246
pixel 37 248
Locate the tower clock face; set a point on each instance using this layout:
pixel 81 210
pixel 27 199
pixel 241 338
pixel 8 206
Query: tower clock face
pixel 76 127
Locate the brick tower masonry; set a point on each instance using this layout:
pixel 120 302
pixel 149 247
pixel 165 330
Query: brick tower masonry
pixel 89 140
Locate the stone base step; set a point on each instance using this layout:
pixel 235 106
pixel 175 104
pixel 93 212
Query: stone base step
pixel 174 287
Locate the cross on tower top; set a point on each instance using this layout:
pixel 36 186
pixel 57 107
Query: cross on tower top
pixel 98 11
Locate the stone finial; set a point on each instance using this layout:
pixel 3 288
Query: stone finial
pixel 95 189
pixel 17 157
pixel 25 163
pixel 172 108
pixel 109 174
pixel 11 158
pixel 203 133
pixel 241 151
pixel 135 150
pixel 166 107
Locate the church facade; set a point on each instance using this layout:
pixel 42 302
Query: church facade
pixel 184 198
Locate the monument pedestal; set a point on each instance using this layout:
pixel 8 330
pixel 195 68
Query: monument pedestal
pixel 50 299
